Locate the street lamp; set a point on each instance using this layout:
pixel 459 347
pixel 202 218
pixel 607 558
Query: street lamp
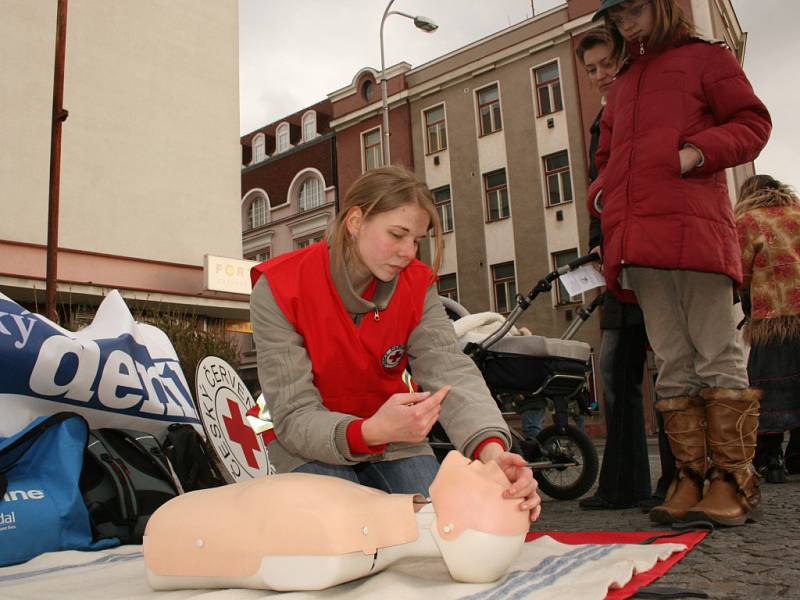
pixel 420 22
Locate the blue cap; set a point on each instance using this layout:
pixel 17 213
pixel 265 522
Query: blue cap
pixel 604 6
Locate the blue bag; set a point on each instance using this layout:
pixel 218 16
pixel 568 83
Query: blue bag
pixel 41 508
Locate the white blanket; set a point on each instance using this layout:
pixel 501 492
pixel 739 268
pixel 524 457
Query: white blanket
pixel 545 569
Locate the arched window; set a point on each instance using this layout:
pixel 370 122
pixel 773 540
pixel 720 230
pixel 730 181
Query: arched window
pixel 367 90
pixel 283 137
pixel 311 194
pixel 309 126
pixel 259 148
pixel 257 212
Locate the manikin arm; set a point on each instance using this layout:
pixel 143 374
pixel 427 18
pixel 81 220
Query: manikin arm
pixel 274 533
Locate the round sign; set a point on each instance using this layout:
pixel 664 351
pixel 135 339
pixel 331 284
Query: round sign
pixel 223 401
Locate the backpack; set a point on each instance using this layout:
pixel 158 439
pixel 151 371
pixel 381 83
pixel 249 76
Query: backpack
pixel 125 478
pixel 41 509
pixel 191 459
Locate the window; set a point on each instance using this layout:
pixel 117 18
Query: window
pixel 367 90
pixel 559 260
pixel 373 157
pixel 309 239
pixel 444 206
pixel 311 194
pixel 448 286
pixel 259 148
pixel 489 109
pixel 266 254
pixel 548 89
pixel 436 129
pixel 559 182
pixel 257 213
pixel 309 126
pixel 505 287
pixel 496 195
pixel 283 138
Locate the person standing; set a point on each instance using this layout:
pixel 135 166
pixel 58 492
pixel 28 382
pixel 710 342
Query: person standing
pixel 680 112
pixel 625 472
pixel 768 223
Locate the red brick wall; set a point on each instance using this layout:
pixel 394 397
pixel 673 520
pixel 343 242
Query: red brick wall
pixel 275 175
pixel 348 145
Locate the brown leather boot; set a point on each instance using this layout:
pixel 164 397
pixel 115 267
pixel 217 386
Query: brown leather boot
pixel 685 425
pixel 734 495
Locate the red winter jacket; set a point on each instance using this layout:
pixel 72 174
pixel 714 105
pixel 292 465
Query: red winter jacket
pixel 652 216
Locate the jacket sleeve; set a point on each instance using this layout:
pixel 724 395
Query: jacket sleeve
pixel 747 230
pixel 302 423
pixel 469 414
pixel 742 121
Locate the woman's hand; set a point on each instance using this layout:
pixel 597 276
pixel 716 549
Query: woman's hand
pixel 690 157
pixel 404 418
pixel 523 485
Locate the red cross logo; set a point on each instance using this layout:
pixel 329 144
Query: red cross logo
pixel 393 356
pixel 239 432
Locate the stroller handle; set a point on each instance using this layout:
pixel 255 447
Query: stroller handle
pixel 578 262
pixel 543 285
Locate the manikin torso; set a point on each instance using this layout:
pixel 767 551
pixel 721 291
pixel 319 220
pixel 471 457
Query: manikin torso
pixel 299 531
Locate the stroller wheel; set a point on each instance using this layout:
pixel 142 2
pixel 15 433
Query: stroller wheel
pixel 572 463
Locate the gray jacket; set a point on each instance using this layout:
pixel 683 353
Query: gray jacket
pixel 307 431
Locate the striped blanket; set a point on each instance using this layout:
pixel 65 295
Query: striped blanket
pixel 545 568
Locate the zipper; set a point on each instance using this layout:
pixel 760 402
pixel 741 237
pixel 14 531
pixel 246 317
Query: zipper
pixel 376 316
pixel 641 47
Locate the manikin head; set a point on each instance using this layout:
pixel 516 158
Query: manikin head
pixel 478 531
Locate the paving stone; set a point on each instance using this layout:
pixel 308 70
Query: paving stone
pixel 758 561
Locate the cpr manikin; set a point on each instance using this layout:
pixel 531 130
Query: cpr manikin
pixel 298 531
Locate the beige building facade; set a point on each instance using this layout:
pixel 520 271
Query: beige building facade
pixel 150 167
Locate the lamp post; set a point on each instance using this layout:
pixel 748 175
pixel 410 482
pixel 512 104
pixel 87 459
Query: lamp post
pixel 420 22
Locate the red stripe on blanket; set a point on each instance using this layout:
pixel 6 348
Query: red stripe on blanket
pixel 689 539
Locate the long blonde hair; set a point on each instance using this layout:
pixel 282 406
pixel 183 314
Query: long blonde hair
pixel 761 191
pixel 378 191
pixel 670 26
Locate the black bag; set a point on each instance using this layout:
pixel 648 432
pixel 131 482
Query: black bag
pixel 190 458
pixel 125 478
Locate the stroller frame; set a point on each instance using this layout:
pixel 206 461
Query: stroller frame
pixel 561 447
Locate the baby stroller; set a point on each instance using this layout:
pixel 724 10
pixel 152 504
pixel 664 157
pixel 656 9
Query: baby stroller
pixel 527 371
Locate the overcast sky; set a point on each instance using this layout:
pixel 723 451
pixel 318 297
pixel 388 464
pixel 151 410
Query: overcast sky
pixel 292 54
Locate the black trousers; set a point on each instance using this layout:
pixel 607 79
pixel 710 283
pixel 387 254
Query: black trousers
pixel 625 472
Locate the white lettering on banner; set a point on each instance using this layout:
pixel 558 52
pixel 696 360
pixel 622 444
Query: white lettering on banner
pixel 19 321
pixel 119 371
pixel 8 519
pixel 14 495
pixel 175 407
pixel 53 351
pixel 150 379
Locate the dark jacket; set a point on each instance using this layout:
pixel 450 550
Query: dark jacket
pixel 652 216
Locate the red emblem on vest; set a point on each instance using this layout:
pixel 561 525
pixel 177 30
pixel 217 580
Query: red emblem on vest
pixel 393 356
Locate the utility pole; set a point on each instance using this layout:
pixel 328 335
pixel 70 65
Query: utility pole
pixel 59 116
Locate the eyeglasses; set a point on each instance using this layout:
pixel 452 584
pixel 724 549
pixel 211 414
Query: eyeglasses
pixel 633 13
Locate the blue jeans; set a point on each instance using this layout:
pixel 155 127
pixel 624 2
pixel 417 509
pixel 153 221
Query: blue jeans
pixel 533 422
pixel 412 475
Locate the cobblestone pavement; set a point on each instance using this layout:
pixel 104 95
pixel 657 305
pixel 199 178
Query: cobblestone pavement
pixel 754 562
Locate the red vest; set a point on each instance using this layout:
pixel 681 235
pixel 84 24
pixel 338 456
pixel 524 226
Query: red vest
pixel 355 367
